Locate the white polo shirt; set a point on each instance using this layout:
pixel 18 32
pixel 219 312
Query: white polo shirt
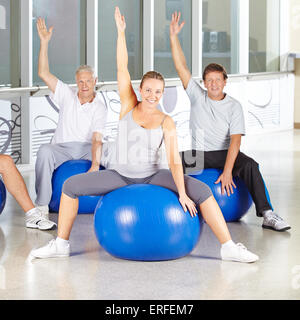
pixel 76 122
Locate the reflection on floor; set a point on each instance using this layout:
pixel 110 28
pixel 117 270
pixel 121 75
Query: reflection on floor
pixel 91 273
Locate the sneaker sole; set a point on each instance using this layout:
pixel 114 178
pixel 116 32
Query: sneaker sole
pixel 34 226
pixel 51 228
pixel 279 230
pixel 52 256
pixel 236 260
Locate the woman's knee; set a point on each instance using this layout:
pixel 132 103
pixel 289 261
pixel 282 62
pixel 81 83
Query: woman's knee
pixel 197 190
pixel 204 192
pixel 69 187
pixel 6 163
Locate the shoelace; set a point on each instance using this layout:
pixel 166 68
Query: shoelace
pixel 37 220
pixel 51 243
pixel 241 246
pixel 34 219
pixel 39 217
pixel 274 218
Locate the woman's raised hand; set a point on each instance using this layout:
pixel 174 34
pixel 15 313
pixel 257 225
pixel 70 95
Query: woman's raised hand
pixel 120 20
pixel 175 27
pixel 44 33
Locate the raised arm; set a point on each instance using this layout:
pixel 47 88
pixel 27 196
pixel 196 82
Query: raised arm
pixel 177 53
pixel 127 94
pixel 43 64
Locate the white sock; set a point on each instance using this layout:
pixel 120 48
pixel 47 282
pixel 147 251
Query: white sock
pixel 43 208
pixel 62 242
pixel 267 212
pixel 228 244
pixel 31 211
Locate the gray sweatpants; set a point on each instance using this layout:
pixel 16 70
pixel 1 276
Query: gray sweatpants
pixel 50 157
pixel 102 182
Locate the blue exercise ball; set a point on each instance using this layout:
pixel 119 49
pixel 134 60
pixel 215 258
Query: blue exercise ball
pixel 87 204
pixel 233 207
pixel 2 196
pixel 146 223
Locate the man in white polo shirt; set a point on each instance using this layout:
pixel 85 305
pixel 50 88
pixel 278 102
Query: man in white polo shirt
pixel 81 123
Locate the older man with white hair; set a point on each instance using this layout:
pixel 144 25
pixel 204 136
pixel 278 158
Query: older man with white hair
pixel 81 123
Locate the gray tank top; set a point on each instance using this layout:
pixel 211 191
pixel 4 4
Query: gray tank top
pixel 137 152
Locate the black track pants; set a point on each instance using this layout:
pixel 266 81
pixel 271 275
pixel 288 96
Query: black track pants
pixel 244 167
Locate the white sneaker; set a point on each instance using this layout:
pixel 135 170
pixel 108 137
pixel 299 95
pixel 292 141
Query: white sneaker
pixel 51 250
pixel 36 219
pixel 238 252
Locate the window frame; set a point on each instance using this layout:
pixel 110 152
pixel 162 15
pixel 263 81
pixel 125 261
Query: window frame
pixel 21 64
pixel 21 57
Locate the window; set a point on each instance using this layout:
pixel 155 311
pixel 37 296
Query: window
pixel 264 31
pixel 5 42
pixel 108 38
pixel 65 46
pixel 219 36
pixel 163 10
pixel 68 50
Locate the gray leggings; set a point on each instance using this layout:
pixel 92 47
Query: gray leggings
pixel 104 181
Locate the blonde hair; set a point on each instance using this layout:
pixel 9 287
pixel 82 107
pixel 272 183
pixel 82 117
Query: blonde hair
pixel 152 75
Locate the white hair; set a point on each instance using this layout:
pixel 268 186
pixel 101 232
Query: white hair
pixel 85 68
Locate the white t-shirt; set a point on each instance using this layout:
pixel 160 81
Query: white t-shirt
pixel 213 122
pixel 77 122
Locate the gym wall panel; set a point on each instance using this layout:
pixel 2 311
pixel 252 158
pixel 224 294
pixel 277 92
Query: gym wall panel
pixel 10 128
pixel 267 103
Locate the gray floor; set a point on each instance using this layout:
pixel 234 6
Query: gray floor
pixel 91 273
